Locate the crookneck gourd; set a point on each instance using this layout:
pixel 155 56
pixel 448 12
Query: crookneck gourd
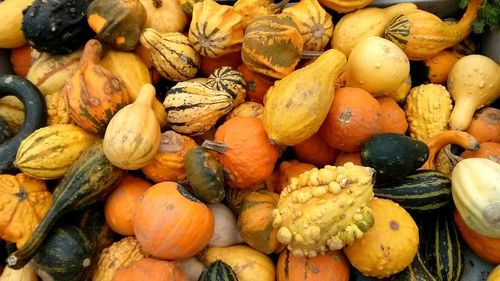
pixel 172 54
pixel 56 26
pixel 229 80
pixel 325 209
pixel 215 29
pixel 251 9
pixel 117 22
pixel 35 116
pixel 314 23
pixel 272 46
pixel 194 108
pixel 422 35
pixel 93 94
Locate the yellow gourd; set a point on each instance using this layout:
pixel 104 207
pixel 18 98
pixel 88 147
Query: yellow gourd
pixel 11 35
pixel 251 9
pixel 165 15
pixel 345 6
pixel 402 91
pixel 494 274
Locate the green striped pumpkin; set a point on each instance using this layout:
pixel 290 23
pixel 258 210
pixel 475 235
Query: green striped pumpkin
pixel 49 152
pixel 422 191
pixel 272 45
pixel 194 108
pixel 229 80
pixel 218 271
pixel 416 271
pixel 172 54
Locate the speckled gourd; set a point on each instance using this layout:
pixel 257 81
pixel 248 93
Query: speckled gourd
pixel 325 209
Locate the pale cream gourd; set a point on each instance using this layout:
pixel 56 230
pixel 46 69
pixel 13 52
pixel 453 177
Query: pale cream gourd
pixel 165 15
pixel 377 66
pixel 27 273
pixel 358 25
pixel 226 231
pixel 191 267
pixel 476 193
pixel 473 82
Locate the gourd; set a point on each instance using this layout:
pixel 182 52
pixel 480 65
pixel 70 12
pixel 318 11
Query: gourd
pixel 194 108
pixel 344 6
pixel 475 189
pixel 422 35
pixel 313 22
pixel 255 221
pixel 49 152
pixel 272 46
pixel 399 95
pixel 226 231
pixel 209 65
pixel 286 116
pixel 88 180
pixel 205 175
pixel 333 265
pixel 358 25
pixel 172 224
pixel 485 125
pixel 436 69
pixel 117 22
pixel 474 82
pixel 34 118
pixel 393 118
pixel 218 270
pixel 257 85
pixel 246 109
pixel 55 26
pixel 51 72
pixel 227 79
pixel 66 254
pixel 165 15
pixel 12 16
pixel 172 53
pixel 488 150
pixel 27 273
pixel 324 209
pixel 57 114
pixel 316 151
pixel 26 202
pixel 494 274
pixel 191 267
pixel 215 29
pixel 132 136
pixel 150 269
pixel 377 65
pixel 389 246
pixel 21 60
pixel 241 145
pixel 12 111
pixel 251 9
pixel 417 271
pixel 288 170
pixel 5 131
pixel 187 5
pixel 247 263
pixel 119 255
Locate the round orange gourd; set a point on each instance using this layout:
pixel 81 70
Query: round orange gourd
pixel 288 170
pixel 389 246
pixel 440 66
pixel 331 266
pixel 485 125
pixel 150 270
pixel 257 85
pixel 172 224
pixel 209 65
pixel 20 60
pixel 121 204
pixel 354 117
pixel 393 118
pixel 489 150
pixel 314 150
pixel 494 274
pixel 243 149
pixel 344 157
pixel 485 247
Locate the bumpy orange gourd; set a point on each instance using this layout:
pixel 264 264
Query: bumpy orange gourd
pixel 151 270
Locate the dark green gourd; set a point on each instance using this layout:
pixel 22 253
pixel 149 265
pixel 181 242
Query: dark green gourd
pixel 416 271
pixel 5 131
pixel 88 180
pixel 57 26
pixel 35 116
pixel 218 271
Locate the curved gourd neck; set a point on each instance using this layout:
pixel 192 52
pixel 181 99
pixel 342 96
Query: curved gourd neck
pixel 91 54
pixel 146 95
pixel 463 27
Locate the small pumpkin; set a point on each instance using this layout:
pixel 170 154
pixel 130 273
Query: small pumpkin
pixel 151 270
pixel 209 65
pixel 20 60
pixel 26 200
pixel 171 223
pixel 333 265
pixel 226 231
pixel 229 80
pixel 290 169
pixel 314 150
pixel 168 163
pixel 247 109
pixel 165 15
pixel 439 66
pixel 485 125
pixel 393 117
pixel 344 157
pixel 257 85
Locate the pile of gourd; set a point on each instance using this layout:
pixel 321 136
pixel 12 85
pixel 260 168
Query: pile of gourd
pixel 192 140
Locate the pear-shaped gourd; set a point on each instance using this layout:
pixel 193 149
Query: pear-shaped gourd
pixel 363 23
pixel 296 105
pixel 133 134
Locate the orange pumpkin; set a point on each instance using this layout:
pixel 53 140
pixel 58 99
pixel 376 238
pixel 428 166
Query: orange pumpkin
pixel 489 150
pixel 121 204
pixel 243 149
pixel 354 117
pixel 172 224
pixel 331 266
pixel 288 170
pixel 487 248
pixel 150 270
pixel 168 163
pixel 209 65
pixel 485 125
pixel 393 118
pixel 314 150
pixel 20 60
pixel 440 66
pixel 344 157
pixel 257 85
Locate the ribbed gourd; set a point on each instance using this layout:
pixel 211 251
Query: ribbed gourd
pixel 325 209
pixel 287 105
pixel 229 80
pixel 314 23
pixel 218 270
pixel 215 29
pixel 172 54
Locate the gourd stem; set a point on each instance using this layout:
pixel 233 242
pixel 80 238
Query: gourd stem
pixel 91 53
pixel 157 3
pixel 278 7
pixel 216 146
pixel 463 27
pixel 309 55
pixel 146 95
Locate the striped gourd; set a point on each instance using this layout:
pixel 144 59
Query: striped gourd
pixel 218 271
pixel 416 271
pixel 194 108
pixel 444 249
pixel 229 80
pixel 215 29
pixel 272 46
pixel 49 152
pixel 88 180
pixel 422 191
pixel 172 54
